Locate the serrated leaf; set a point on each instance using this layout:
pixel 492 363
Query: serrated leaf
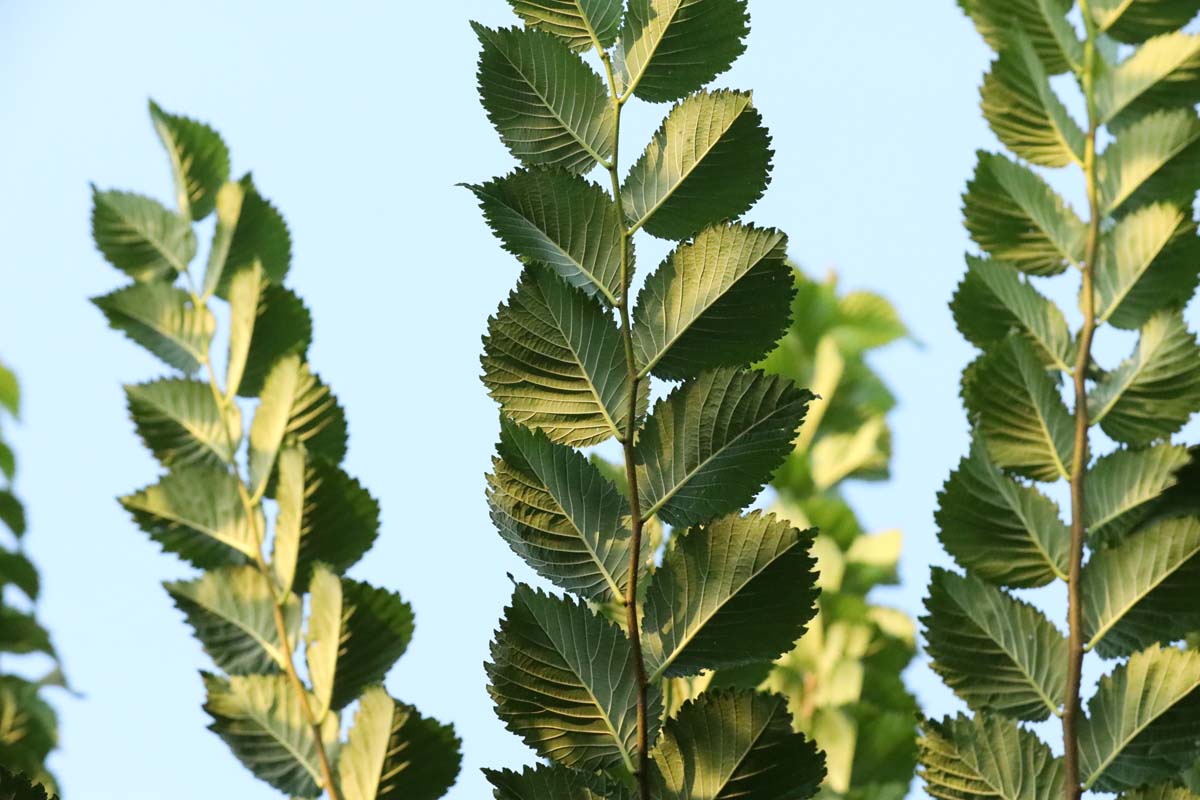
pixel 289 521
pixel 736 591
pixel 262 720
pixel 180 423
pixel 987 756
pixel 28 732
pixel 21 633
pixel 1014 216
pixel 261 237
pixel 10 391
pixel 1133 21
pixel 140 237
pixel 230 198
pixel 1123 485
pixel 709 161
pixel 163 320
pixel 554 361
pixel 709 446
pixel 1128 589
pixel 1154 392
pixel 1143 723
pixel 1001 530
pixel 553 782
pixel 1023 110
pixel 563 680
pixel 12 513
pixel 266 324
pixel 16 569
pixel 393 753
pixel 560 221
pixel 670 48
pixel 1162 73
pixel 550 108
pixel 199 160
pixel 1160 792
pixel 1155 158
pixel 558 512
pixel 19 786
pixel 992 300
pixel 996 652
pixel 1149 262
pixel 1020 414
pixel 721 300
pixel 197 513
pixel 232 611
pixel 736 744
pixel 582 23
pixel 1054 41
pixel 340 520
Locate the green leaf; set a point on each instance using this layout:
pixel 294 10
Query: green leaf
pixel 340 520
pixel 671 48
pixel 289 496
pixel 560 221
pixel 267 323
pixel 1054 41
pixel 262 720
pixel 1139 591
pixel 1134 21
pixel 20 633
pixel 709 161
pixel 558 512
pixel 993 300
pixel 140 237
pixel 19 571
pixel 736 744
pixel 1155 158
pixel 10 391
pixel 18 786
pixel 12 513
pixel 230 198
pixel 1001 530
pixel 1020 413
pixel 1014 215
pixel 1154 392
pixel 163 320
pixel 178 420
pixel 1162 73
pixel 261 238
pixel 1123 485
pixel 721 300
pixel 199 161
pixel 232 611
pixel 563 680
pixel 553 360
pixel 987 756
pixel 1143 723
pixel 550 108
pixel 1148 262
pixel 996 652
pixel 709 446
pixel 553 782
pixel 28 731
pixel 393 753
pixel 1025 113
pixel 737 591
pixel 197 513
pixel 582 23
pixel 1161 792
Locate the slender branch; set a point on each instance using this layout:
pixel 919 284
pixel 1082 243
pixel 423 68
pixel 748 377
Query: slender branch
pixel 1071 709
pixel 636 522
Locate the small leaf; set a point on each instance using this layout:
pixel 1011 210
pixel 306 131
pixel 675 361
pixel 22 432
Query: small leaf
pixel 987 756
pixel 178 420
pixel 1162 73
pixel 1123 485
pixel 1045 21
pixel 140 237
pixel 10 391
pixel 1155 158
pixel 163 320
pixel 582 23
pixel 199 161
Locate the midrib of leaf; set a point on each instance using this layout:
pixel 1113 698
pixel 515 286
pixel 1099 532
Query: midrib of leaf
pixel 263 720
pixel 160 246
pixel 587 376
pixel 1019 510
pixel 1032 681
pixel 199 355
pixel 1041 418
pixel 633 84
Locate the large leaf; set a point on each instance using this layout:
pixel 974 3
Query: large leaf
pixel 1020 413
pixel 721 300
pixel 232 611
pixel 1143 723
pixel 582 23
pixel 199 161
pixel 1149 262
pixel 1142 590
pixel 1162 73
pixel 163 320
pixel 563 680
pixel 179 421
pixel 393 753
pixel 140 237
pixel 1014 215
pixel 549 106
pixel 709 161
pixel 197 513
pixel 554 782
pixel 997 653
pixel 559 513
pixel 1133 21
pixel 737 591
pixel 1155 391
pixel 1122 488
pixel 1001 530
pixel 262 720
pixel 987 757
pixel 560 221
pixel 1025 113
pixel 553 359
pixel 1155 158
pixel 709 446
pixel 1054 41
pixel 992 300
pixel 340 520
pixel 736 744
pixel 670 48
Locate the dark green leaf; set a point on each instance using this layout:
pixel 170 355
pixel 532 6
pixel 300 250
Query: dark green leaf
pixel 582 23
pixel 1122 488
pixel 180 423
pixel 553 782
pixel 163 320
pixel 987 757
pixel 140 237
pixel 1133 21
pixel 199 161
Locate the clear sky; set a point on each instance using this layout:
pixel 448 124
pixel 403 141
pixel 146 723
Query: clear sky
pixel 358 119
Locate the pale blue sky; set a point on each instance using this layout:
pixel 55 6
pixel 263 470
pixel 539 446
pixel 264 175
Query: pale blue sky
pixel 357 119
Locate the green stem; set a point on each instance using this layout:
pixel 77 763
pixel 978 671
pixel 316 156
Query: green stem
pixel 1071 709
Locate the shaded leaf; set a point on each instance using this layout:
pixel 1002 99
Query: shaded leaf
pixel 179 422
pixel 1162 73
pixel 199 160
pixel 339 523
pixel 140 237
pixel 163 320
pixel 1123 485
pixel 582 23
pixel 1133 21
pixel 987 756
pixel 553 782
pixel 1155 158
pixel 1054 41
